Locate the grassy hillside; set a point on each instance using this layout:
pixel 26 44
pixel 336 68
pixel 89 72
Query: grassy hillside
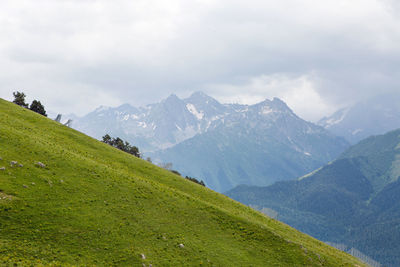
pixel 354 200
pixel 95 205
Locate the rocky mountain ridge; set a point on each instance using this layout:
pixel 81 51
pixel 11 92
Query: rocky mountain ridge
pixel 222 144
pixel 373 116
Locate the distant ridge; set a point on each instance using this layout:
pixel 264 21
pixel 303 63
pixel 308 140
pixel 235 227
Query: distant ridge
pixel 354 200
pixel 222 144
pixel 255 145
pixel 374 116
pixel 156 126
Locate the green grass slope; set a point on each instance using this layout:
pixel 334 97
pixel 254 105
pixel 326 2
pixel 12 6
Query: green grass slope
pixel 95 205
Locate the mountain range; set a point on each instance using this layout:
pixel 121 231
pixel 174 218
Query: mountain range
pixel 156 126
pixel 354 200
pixel 257 145
pixel 373 116
pixel 222 144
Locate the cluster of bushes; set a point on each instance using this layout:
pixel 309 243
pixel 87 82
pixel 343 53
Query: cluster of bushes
pixel 36 106
pixel 121 145
pixel 168 166
pixel 125 146
pixel 192 179
pixel 195 180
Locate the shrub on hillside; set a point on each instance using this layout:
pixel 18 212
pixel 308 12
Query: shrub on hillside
pixel 37 107
pixel 19 99
pixel 195 180
pixel 121 145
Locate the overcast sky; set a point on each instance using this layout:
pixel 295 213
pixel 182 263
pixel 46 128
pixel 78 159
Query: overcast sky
pixel 75 55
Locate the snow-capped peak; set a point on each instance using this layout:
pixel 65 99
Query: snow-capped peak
pixel 336 118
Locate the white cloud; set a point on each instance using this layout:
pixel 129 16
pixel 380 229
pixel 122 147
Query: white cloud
pixel 140 51
pixel 298 92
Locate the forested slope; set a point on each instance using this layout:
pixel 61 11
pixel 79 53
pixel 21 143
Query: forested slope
pixel 354 200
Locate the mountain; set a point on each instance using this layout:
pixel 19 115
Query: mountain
pixel 355 200
pixel 377 115
pixel 155 126
pixel 222 144
pixel 69 200
pixel 255 145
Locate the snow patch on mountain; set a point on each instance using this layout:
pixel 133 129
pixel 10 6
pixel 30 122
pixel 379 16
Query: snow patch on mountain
pixel 265 110
pixel 340 116
pixel 134 116
pixel 142 124
pixel 177 127
pixel 192 109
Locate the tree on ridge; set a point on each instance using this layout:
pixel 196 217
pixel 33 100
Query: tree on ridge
pixel 19 99
pixel 37 107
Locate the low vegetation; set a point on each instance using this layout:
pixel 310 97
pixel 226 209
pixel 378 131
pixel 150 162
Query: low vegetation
pixel 36 106
pixel 192 179
pixel 121 145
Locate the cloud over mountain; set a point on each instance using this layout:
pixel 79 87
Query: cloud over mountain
pixel 105 52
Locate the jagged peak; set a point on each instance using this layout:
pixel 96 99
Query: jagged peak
pixel 279 103
pixel 172 99
pixel 172 96
pixel 200 96
pixel 272 106
pixel 278 100
pixel 127 108
pixel 123 106
pixel 274 102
